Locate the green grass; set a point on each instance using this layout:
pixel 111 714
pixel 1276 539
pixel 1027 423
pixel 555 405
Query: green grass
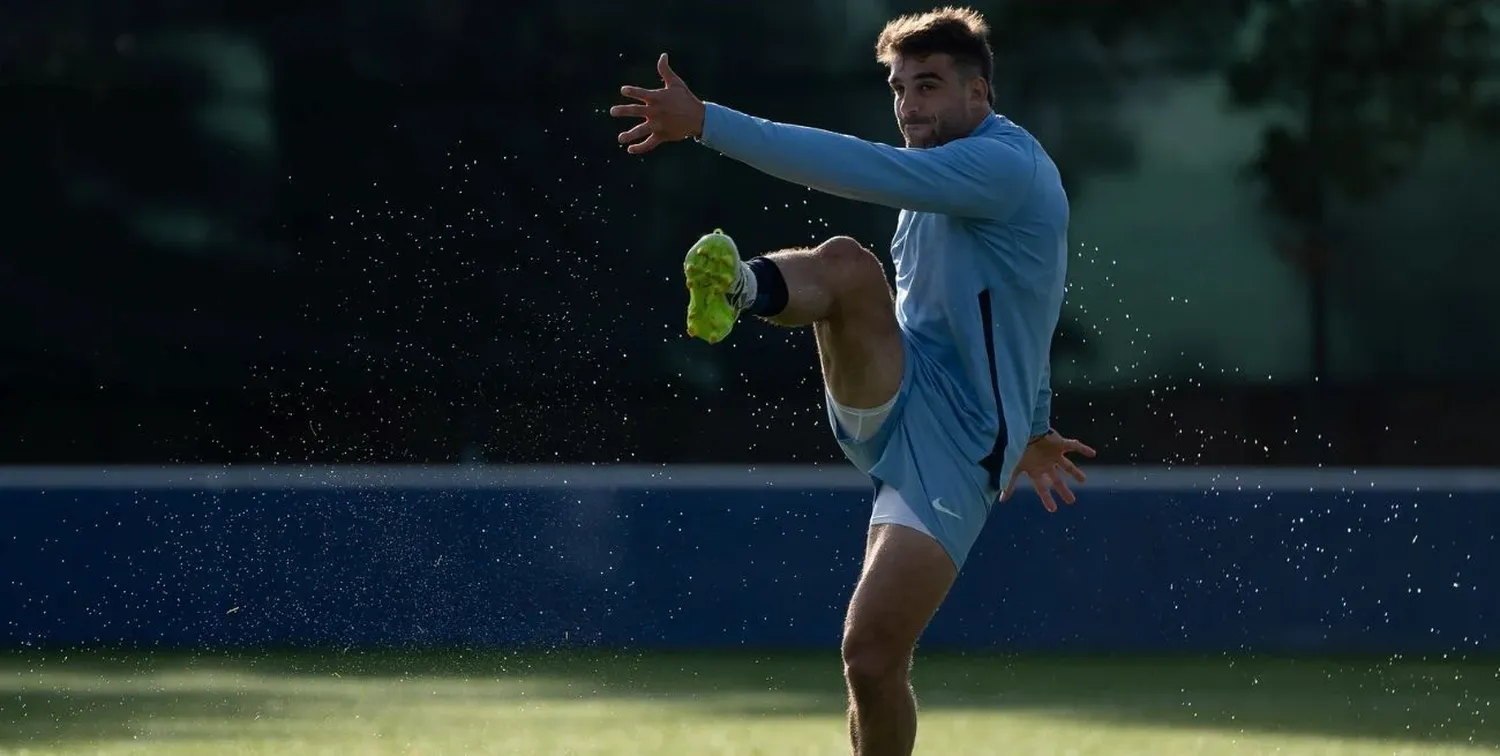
pixel 632 704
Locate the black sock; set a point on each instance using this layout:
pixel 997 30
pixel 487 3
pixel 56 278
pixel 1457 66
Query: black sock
pixel 770 288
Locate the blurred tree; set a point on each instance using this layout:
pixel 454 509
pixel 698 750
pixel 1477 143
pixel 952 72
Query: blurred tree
pixel 1355 88
pixel 1063 69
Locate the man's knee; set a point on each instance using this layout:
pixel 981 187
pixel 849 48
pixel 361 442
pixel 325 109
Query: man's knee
pixel 856 269
pixel 874 657
pixel 906 577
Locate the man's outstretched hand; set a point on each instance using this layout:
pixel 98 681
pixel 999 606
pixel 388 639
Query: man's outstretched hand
pixel 671 114
pixel 1046 462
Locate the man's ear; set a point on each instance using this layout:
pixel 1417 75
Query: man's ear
pixel 979 87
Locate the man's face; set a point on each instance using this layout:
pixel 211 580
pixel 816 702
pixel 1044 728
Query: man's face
pixel 935 102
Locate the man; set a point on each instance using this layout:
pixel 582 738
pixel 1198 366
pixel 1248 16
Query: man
pixel 939 395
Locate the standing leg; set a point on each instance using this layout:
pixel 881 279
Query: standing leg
pixel 906 576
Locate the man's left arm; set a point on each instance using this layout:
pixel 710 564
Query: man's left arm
pixel 977 178
pixel 1041 414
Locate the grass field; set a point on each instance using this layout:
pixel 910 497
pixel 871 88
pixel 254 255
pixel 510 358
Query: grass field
pixel 632 704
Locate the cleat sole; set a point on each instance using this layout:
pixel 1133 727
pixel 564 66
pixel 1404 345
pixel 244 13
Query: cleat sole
pixel 708 272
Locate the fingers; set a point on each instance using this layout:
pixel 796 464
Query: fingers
pixel 636 133
pixel 1042 482
pixel 641 148
pixel 638 93
pixel 643 137
pixel 1010 485
pixel 1061 485
pixel 1048 482
pixel 1072 470
pixel 628 111
pixel 1075 445
pixel 668 76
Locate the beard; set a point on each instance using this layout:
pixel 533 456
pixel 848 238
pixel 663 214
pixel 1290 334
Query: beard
pixel 926 133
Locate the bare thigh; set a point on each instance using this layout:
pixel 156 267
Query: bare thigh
pixel 906 577
pixel 840 288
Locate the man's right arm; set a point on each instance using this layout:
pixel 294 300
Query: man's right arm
pixel 974 178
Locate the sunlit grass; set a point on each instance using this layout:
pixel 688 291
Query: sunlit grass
pixel 630 704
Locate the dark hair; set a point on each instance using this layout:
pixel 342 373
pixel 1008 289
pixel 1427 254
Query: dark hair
pixel 959 32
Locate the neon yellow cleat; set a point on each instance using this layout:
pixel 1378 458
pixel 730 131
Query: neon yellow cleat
pixel 710 268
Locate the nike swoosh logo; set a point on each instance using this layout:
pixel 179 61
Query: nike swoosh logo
pixel 938 505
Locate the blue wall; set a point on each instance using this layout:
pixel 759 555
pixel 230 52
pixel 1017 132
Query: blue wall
pixel 1132 568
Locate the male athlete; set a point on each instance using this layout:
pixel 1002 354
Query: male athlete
pixel 939 396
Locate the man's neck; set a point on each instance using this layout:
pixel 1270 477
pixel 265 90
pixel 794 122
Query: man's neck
pixel 973 127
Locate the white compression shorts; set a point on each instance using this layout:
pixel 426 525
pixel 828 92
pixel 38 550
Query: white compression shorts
pixel 861 425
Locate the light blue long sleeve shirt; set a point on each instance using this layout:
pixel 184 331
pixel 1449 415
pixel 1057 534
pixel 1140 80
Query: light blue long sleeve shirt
pixel 980 252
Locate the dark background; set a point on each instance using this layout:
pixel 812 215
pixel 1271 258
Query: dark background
pixel 390 232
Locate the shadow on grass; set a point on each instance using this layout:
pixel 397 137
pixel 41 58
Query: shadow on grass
pixel 1356 699
pixel 42 719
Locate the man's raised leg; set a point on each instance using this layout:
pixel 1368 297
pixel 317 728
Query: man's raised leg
pixel 837 287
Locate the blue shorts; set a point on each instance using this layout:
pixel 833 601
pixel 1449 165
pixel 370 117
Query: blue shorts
pixel 915 451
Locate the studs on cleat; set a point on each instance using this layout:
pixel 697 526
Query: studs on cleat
pixel 710 269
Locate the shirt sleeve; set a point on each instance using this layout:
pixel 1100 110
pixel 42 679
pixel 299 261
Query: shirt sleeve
pixel 1041 414
pixel 970 177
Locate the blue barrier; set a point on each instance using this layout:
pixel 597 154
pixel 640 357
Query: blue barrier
pixel 1149 561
